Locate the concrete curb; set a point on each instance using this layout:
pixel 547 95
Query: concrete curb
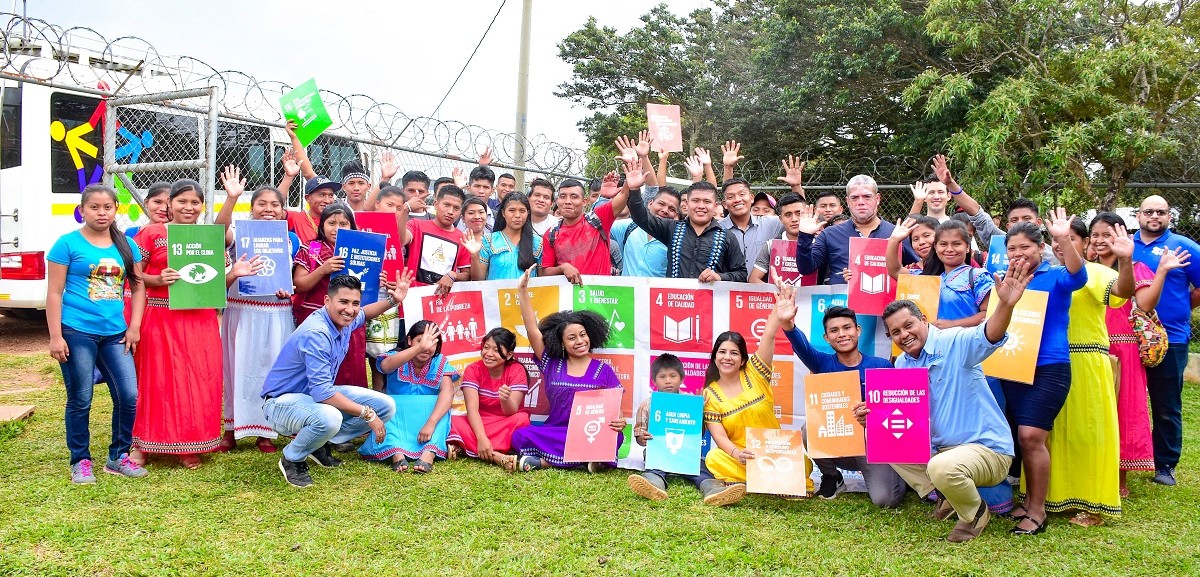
pixel 1192 372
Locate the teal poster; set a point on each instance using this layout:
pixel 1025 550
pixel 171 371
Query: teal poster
pixel 676 425
pixel 820 303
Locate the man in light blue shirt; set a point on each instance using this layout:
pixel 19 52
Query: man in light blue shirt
pixel 642 254
pixel 971 437
pixel 301 399
pixel 1164 382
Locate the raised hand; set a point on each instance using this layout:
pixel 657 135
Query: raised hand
pixel 233 183
pixel 523 282
pixel 644 144
pixel 242 267
pixel 1173 259
pixel 703 156
pixel 810 224
pixel 942 169
pixel 456 174
pixel 387 165
pixel 1121 244
pixel 634 176
pixel 429 340
pixel 471 243
pixel 918 190
pixel 626 147
pixel 291 163
pixel 785 301
pixel 793 171
pixel 610 184
pixel 485 158
pixel 730 153
pixel 1059 224
pixel 694 168
pixel 403 281
pixel 1011 285
pixel 903 228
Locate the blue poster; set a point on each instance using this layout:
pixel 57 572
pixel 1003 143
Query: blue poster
pixel 267 239
pixel 363 252
pixel 866 340
pixel 676 425
pixel 997 260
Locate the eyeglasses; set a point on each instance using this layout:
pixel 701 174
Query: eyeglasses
pixel 1154 212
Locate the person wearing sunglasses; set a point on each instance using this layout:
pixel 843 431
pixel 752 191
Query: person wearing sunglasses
pixel 1165 381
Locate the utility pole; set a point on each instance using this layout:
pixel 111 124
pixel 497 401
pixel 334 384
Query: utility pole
pixel 523 93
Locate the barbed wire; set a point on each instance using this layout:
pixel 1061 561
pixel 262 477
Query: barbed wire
pixel 39 50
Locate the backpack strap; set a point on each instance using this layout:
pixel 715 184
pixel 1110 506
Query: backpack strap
pixel 718 248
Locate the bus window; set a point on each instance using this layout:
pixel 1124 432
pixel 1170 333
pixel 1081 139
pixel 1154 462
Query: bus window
pixel 10 128
pixel 329 154
pixel 77 151
pixel 244 146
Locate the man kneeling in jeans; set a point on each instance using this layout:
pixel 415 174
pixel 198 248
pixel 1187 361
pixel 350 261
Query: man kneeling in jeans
pixel 300 396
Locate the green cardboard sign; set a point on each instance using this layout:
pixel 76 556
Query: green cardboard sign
pixel 197 252
pixel 615 304
pixel 303 105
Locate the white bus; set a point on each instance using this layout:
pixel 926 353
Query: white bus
pixel 51 147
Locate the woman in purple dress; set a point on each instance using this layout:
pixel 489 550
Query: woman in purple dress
pixel 563 345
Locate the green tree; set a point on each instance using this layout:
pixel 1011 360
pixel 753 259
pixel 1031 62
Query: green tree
pixel 1080 92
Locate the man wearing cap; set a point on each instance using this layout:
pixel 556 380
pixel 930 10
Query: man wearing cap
pixel 319 192
pixel 764 204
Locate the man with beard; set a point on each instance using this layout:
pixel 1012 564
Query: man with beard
pixel 1165 381
pixel 832 248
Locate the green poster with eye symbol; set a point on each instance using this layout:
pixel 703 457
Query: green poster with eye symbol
pixel 615 304
pixel 197 253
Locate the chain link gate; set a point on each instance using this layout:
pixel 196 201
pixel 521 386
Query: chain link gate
pixel 160 137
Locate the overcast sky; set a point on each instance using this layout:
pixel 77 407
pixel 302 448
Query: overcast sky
pixel 403 52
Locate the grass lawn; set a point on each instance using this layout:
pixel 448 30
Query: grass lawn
pixel 235 516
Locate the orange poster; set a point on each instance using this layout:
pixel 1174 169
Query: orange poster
pixel 924 290
pixel 545 303
pixel 829 400
pixel 783 386
pixel 778 464
pixel 1017 359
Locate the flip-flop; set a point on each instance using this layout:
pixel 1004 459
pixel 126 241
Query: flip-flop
pixel 454 452
pixel 509 462
pixel 400 466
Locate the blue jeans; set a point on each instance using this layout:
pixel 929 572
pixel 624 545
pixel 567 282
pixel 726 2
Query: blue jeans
pixel 89 353
pixel 696 480
pixel 1165 385
pixel 315 424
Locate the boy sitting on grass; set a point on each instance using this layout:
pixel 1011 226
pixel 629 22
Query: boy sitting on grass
pixel 667 373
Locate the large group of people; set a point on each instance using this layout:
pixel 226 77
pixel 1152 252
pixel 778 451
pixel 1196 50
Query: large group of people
pixel 317 365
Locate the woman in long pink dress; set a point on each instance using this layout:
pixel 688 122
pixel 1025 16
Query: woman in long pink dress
pixel 1133 417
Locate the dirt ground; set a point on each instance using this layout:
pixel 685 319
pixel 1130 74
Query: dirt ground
pixel 19 336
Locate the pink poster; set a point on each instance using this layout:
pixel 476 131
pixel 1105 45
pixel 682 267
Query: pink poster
pixel 663 122
pixel 694 370
pixel 384 223
pixel 589 438
pixel 898 425
pixel 783 263
pixel 871 289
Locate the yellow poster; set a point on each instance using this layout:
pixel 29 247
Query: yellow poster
pixel 545 303
pixel 1017 359
pixel 924 290
pixel 778 466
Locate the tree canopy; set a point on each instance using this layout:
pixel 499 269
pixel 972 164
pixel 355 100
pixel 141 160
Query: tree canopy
pixel 1038 97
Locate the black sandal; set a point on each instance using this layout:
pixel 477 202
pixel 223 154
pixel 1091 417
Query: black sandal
pixel 400 466
pixel 421 467
pixel 1041 527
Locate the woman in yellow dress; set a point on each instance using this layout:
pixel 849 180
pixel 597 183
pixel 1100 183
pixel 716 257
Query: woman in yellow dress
pixel 739 395
pixel 1085 443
